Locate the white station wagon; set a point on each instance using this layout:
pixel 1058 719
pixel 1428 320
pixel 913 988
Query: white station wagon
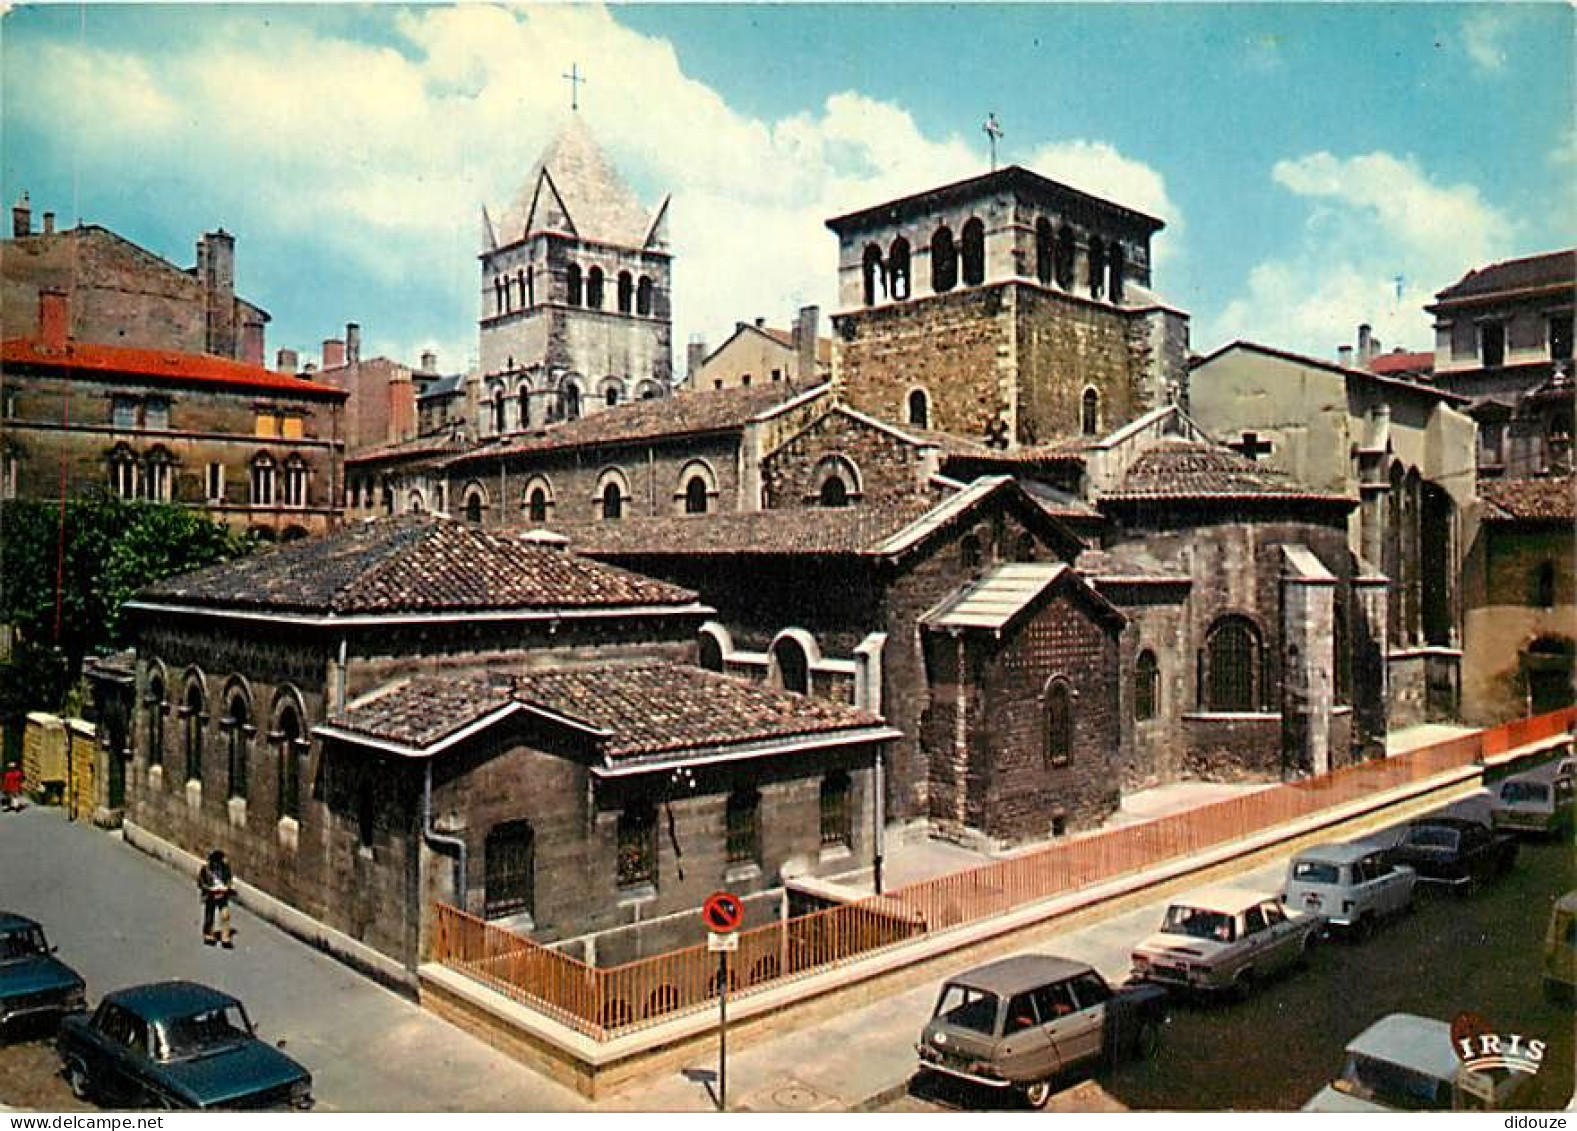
pixel 1352 885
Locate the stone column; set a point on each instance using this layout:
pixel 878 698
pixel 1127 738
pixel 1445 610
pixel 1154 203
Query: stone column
pixel 1307 629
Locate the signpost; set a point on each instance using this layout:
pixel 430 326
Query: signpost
pixel 722 913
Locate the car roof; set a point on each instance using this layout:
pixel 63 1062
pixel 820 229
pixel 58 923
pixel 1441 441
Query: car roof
pixel 10 921
pixel 1457 823
pixel 158 1001
pixel 1339 853
pixel 1409 1041
pixel 1021 972
pixel 1224 897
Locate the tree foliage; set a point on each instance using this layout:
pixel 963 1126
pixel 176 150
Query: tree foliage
pixel 101 550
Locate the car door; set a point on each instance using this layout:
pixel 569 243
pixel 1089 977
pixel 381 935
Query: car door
pixel 1254 946
pixel 1093 997
pixel 1395 886
pixel 106 1057
pixel 1473 849
pixel 1027 1051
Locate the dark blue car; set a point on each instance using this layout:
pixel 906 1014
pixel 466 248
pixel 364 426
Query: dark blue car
pixel 177 1045
pixel 33 982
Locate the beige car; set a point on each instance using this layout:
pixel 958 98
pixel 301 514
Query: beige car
pixel 1225 940
pixel 1560 950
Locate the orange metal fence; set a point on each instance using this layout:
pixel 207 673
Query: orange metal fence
pixel 605 1002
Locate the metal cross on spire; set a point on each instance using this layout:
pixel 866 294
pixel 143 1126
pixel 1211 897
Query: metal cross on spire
pixel 993 130
pixel 574 78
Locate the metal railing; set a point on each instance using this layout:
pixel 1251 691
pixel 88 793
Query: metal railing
pixel 606 1002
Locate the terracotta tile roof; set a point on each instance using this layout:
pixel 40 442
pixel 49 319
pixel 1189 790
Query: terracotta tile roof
pixel 1189 469
pixel 1529 500
pixel 711 410
pixel 159 365
pixel 445 443
pixel 807 531
pixel 636 711
pixel 1533 272
pixel 412 564
pixel 1398 362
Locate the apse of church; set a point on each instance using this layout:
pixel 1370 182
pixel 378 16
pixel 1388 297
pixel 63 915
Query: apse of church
pixel 574 293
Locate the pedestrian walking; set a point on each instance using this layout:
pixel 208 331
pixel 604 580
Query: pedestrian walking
pixel 11 783
pixel 217 883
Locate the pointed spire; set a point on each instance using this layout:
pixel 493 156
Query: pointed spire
pixel 489 236
pixel 574 187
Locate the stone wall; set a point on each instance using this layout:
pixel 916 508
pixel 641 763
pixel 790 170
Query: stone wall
pixel 1065 345
pixel 890 468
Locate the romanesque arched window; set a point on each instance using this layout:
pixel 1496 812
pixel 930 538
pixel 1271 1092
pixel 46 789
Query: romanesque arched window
pixel 193 714
pixel 296 481
pixel 790 665
pixel 643 296
pixel 974 252
pixel 1044 250
pixel 626 292
pixel 572 289
pixel 1116 264
pixel 709 652
pixel 292 750
pixel 475 501
pixel 594 288
pixel 539 498
pixel 416 502
pixel 238 733
pixel 919 407
pixel 898 269
pixel 611 393
pixel 123 472
pixel 944 260
pixel 262 484
pixel 613 493
pixel 571 402
pixel 1057 711
pixel 1090 413
pixel 500 410
pixel 1063 257
pixel 838 481
pixel 695 495
pixel 871 274
pixel 1097 267
pixel 1146 686
pixel 155 706
pixel 160 478
pixel 1233 679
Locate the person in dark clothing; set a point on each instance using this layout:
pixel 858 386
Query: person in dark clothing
pixel 216 882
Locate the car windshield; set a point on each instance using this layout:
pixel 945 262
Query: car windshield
pixel 1198 923
pixel 22 942
pixel 1514 791
pixel 1316 872
pixel 1393 1086
pixel 1432 836
pixel 198 1034
pixel 966 1008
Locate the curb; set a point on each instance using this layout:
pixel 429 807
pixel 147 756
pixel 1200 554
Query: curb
pixel 886 1096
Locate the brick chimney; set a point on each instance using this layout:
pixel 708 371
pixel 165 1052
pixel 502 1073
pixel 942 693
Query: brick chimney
pixel 216 271
pixel 333 353
pixel 805 327
pixel 1365 345
pixel 429 362
pixel 49 223
pixel 22 217
pixel 287 361
pixel 54 317
pixel 1344 356
pixel 695 356
pixel 352 342
pixel 253 345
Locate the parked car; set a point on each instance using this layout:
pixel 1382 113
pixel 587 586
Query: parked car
pixel 1454 851
pixel 1529 804
pixel 1560 950
pixel 33 982
pixel 1407 1063
pixel 1353 885
pixel 1225 939
pixel 177 1045
pixel 1022 1021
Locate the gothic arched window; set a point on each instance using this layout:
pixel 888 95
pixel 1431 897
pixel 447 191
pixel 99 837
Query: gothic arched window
pixel 537 505
pixel 974 252
pixel 155 706
pixel 1058 709
pixel 1232 666
pixel 291 755
pixel 612 502
pixel 944 260
pixel 695 496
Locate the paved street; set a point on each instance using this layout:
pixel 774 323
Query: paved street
pixel 121 918
pixel 1480 953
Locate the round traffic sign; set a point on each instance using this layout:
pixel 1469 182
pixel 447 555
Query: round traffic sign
pixel 722 912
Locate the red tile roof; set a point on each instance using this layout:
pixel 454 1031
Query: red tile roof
pixel 158 365
pixel 1177 469
pixel 641 710
pixel 1529 500
pixel 1397 361
pixel 1533 272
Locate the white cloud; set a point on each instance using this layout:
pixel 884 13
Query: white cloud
pixel 1483 34
pixel 381 156
pixel 1380 238
pixel 1099 169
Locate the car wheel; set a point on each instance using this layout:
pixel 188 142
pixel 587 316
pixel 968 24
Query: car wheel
pixel 1148 1042
pixel 1243 987
pixel 1306 949
pixel 1363 929
pixel 77 1080
pixel 1037 1094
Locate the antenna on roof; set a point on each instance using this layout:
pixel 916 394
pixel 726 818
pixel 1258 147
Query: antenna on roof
pixel 993 130
pixel 574 78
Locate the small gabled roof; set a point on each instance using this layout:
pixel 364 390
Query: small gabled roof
pixel 1551 269
pixel 1009 592
pixel 633 714
pixel 413 564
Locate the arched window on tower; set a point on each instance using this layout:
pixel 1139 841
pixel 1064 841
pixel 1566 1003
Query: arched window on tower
pixel 594 288
pixel 1116 265
pixel 871 274
pixel 531 285
pixel 898 269
pixel 1090 413
pixel 1097 267
pixel 944 260
pixel 974 252
pixel 523 408
pixel 500 422
pixel 626 292
pixel 1063 257
pixel 537 504
pixel 919 409
pixel 520 282
pixel 612 502
pixel 498 295
pixel 695 496
pixel 643 296
pixel 1044 251
pixel 571 402
pixel 572 284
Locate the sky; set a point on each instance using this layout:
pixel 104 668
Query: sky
pixel 1316 165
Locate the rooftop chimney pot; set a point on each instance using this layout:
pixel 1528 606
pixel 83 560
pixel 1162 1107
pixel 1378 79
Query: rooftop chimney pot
pixel 333 353
pixel 22 217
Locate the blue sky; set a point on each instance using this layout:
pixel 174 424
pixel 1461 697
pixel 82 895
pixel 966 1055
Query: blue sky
pixel 1303 156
